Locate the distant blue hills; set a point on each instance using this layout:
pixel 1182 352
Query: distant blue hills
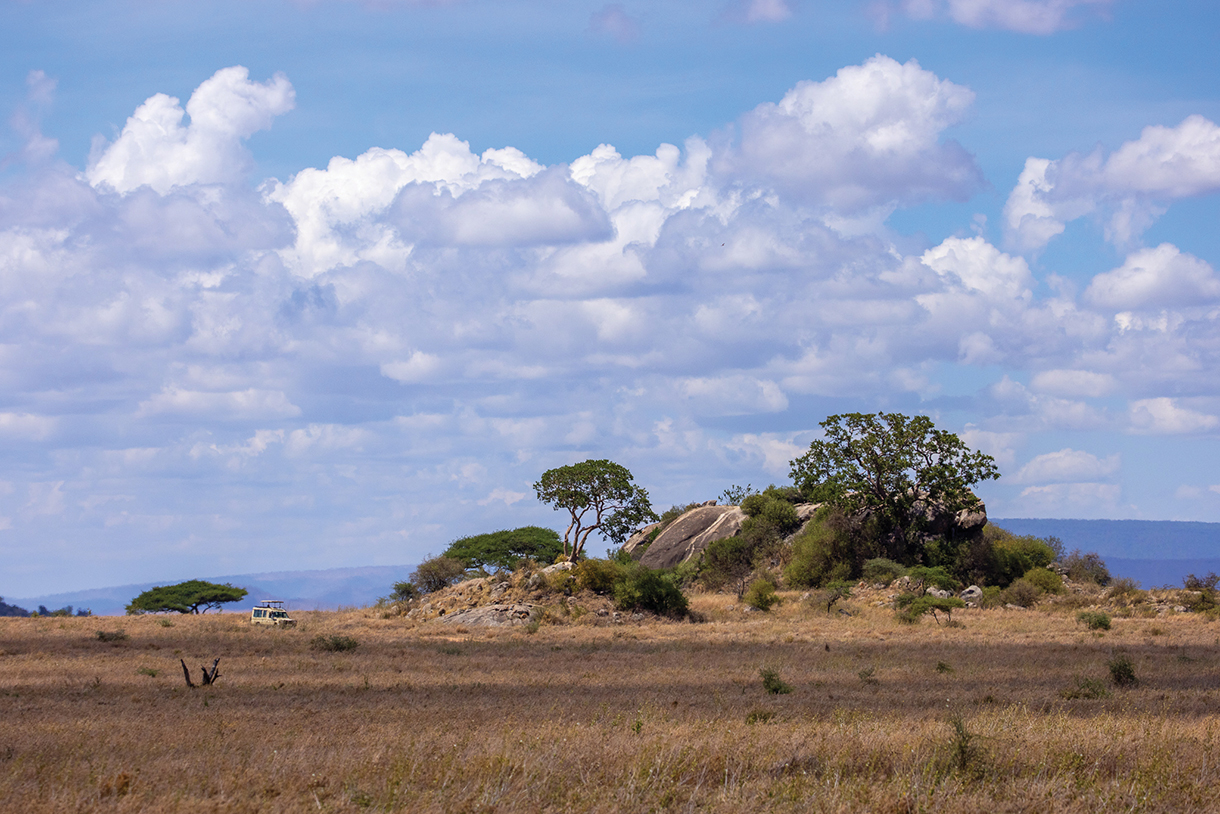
pixel 302 590
pixel 1152 552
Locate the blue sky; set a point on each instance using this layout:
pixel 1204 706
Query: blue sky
pixel 329 283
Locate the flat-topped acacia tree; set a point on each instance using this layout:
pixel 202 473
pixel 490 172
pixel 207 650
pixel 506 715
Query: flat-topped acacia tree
pixel 599 496
pixel 192 596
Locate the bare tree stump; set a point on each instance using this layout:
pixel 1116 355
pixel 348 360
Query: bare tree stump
pixel 209 677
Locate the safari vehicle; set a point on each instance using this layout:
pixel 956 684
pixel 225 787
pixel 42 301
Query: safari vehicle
pixel 271 612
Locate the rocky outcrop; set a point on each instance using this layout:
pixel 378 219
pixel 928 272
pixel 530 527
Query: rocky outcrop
pixel 965 524
pixel 637 543
pixel 687 536
pixel 806 511
pixel 691 533
pixel 492 616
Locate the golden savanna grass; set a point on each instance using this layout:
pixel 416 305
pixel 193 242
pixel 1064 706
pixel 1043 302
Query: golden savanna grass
pixel 653 716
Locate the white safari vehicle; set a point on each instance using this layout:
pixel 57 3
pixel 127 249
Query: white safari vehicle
pixel 271 612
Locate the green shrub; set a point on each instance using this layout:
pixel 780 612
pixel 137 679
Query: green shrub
pixel 772 683
pixel 881 570
pixel 598 576
pixel 1122 670
pixel 788 494
pixel 111 636
pixel 1044 580
pixel 1094 620
pixel 759 716
pixel 404 592
pixel 966 753
pixel 993 596
pixel 782 515
pixel 1085 688
pixel 761 595
pixel 1125 591
pixel 1205 587
pixel 924 578
pixel 728 561
pixel 999 557
pixel 1021 593
pixel 824 552
pixel 333 643
pixel 753 505
pixel 686 574
pixel 436 573
pixel 1086 568
pixel 645 589
pixel 560 581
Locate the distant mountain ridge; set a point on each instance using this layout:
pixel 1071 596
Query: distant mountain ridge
pixel 1152 552
pixel 302 590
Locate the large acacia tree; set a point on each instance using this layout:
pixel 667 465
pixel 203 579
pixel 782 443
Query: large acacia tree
pixel 599 496
pixel 894 468
pixel 192 596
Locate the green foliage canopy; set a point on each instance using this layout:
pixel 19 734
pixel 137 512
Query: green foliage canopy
pixel 599 496
pixel 893 466
pixel 192 596
pixel 436 573
pixel 504 549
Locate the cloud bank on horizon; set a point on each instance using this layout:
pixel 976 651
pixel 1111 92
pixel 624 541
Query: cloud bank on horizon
pixel 363 360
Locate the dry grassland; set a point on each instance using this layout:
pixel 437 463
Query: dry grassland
pixel 656 716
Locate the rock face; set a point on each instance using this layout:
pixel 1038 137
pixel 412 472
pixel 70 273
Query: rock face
pixel 698 528
pixel 491 616
pixel 694 531
pixel 638 539
pixel 963 524
pixel 691 533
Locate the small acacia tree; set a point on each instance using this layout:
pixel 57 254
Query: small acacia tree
pixel 894 467
pixel 600 496
pixel 504 549
pixel 192 596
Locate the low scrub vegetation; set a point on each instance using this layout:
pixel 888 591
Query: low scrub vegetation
pixel 333 643
pixel 1094 620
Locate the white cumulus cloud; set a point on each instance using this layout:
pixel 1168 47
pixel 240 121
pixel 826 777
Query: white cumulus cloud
pixel 869 134
pixel 1129 187
pixel 1163 416
pixel 1150 279
pixel 1068 466
pixel 156 149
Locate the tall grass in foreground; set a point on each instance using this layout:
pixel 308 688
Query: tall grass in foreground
pixel 661 716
